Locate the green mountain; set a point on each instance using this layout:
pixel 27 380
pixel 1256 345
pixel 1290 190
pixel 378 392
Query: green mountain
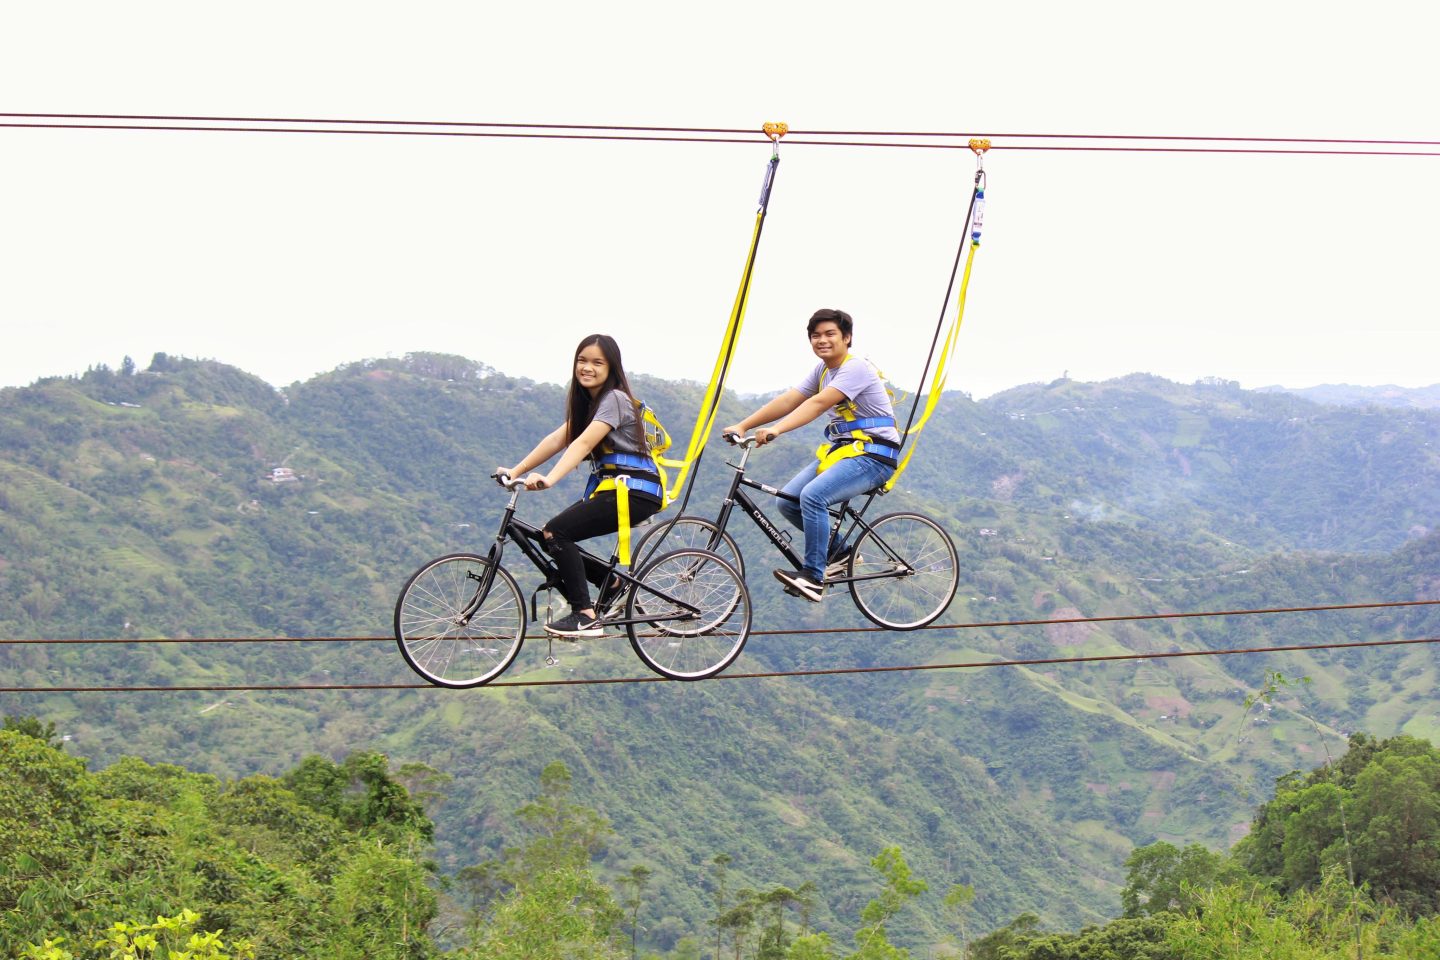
pixel 190 500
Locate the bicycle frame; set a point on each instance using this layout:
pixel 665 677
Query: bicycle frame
pixel 526 536
pixel 781 538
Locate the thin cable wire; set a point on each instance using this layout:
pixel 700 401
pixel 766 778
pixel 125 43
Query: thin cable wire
pixel 756 138
pixel 944 306
pixel 957 135
pixel 825 672
pixel 813 631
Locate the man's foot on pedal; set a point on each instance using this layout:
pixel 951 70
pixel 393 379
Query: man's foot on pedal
pixel 838 567
pixel 575 625
pixel 798 584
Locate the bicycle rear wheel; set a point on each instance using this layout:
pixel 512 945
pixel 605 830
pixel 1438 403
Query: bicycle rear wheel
pixel 702 614
pixel 450 634
pixel 686 532
pixel 914 568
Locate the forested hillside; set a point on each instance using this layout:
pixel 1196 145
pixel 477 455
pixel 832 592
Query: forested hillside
pixel 190 500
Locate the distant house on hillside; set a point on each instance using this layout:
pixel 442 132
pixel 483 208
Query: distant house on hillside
pixel 283 475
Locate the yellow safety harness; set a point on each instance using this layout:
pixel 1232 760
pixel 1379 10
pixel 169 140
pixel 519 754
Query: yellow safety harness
pixel 847 434
pixel 606 475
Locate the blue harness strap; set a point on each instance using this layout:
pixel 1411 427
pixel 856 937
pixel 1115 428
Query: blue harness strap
pixel 621 462
pixel 845 429
pixel 881 450
pixel 637 484
pixel 611 464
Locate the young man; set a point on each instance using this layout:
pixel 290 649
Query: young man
pixel 863 442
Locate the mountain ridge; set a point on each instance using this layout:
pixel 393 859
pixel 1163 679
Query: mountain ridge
pixel 166 518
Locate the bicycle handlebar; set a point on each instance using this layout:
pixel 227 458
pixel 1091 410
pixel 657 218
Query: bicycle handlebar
pixel 508 482
pixel 745 443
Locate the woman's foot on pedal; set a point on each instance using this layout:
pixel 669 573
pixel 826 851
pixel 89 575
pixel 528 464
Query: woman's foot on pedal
pixel 575 625
pixel 798 584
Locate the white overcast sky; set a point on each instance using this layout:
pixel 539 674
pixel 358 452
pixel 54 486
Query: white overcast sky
pixel 287 255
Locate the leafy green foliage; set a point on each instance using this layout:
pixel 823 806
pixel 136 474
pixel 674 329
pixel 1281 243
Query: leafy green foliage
pixel 168 938
pixel 556 907
pixel 1245 922
pixel 900 888
pixel 1297 901
pixel 1392 790
pixel 1164 878
pixel 78 849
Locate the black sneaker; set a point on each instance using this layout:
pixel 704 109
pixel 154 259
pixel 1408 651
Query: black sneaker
pixel 798 584
pixel 575 625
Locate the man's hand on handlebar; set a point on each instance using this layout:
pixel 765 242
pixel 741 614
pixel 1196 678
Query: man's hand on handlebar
pixel 736 440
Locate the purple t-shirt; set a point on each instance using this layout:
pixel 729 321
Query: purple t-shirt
pixel 860 382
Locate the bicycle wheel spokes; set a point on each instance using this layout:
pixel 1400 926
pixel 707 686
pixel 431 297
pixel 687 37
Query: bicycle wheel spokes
pixel 689 533
pixel 906 571
pixel 451 635
pixel 699 613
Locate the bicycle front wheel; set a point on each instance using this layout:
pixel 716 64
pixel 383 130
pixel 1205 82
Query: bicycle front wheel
pixel 905 569
pixel 451 634
pixel 698 611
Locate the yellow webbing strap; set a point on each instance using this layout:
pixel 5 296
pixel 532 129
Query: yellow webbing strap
pixel 829 456
pixel 621 485
pixel 709 407
pixel 826 453
pixel 657 440
pixel 937 385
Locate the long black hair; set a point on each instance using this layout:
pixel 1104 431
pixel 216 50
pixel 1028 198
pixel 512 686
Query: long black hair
pixel 580 408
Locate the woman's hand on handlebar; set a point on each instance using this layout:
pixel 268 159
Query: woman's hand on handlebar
pixel 537 481
pixel 502 476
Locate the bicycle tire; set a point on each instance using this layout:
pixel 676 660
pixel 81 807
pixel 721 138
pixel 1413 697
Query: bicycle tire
pixel 924 568
pixel 436 637
pixel 695 651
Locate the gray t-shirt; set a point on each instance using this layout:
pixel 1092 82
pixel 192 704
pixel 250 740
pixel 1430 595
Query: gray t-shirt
pixel 618 410
pixel 860 382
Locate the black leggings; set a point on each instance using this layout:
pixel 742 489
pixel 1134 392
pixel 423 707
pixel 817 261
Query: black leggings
pixel 581 521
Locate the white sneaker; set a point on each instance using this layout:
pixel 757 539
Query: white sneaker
pixel 800 585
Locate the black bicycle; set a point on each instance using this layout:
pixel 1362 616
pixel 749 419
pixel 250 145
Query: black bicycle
pixel 901 568
pixel 461 619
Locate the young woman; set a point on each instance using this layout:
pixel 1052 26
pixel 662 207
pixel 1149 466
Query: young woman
pixel 864 442
pixel 602 423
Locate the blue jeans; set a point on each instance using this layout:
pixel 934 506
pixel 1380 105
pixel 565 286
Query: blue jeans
pixel 817 491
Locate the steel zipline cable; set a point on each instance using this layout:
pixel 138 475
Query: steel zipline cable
pixel 763 675
pixel 815 631
pixel 1147 143
pixel 1043 661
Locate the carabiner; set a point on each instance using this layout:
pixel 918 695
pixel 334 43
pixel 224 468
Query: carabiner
pixel 775 130
pixel 979 145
